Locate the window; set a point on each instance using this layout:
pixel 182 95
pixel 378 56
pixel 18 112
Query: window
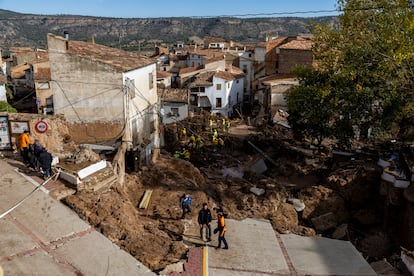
pixel 250 54
pixel 218 86
pixel 174 111
pixel 131 87
pixel 228 85
pixel 218 102
pixel 237 81
pixel 43 85
pixel 150 81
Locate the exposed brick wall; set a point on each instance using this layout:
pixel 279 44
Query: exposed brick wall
pixel 289 58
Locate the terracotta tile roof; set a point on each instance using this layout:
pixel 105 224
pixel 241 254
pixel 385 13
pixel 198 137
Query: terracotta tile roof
pixel 298 44
pixel 21 49
pixel 224 75
pixel 231 73
pixel 277 77
pixel 42 74
pixel 119 59
pixel 211 39
pixel 163 74
pixel 270 45
pixel 190 69
pixel 214 59
pixel 40 57
pixel 204 79
pixel 234 69
pixel 18 72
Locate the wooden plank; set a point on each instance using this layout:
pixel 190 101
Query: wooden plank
pixel 145 199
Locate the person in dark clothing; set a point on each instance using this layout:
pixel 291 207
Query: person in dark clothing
pixel 185 202
pixel 45 162
pixel 34 158
pixel 204 218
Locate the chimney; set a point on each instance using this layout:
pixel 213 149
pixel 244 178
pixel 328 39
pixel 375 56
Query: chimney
pixel 91 39
pixel 66 34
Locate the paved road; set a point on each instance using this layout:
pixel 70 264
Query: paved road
pixel 44 237
pixel 256 249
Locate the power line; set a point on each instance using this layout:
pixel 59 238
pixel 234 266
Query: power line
pixel 25 17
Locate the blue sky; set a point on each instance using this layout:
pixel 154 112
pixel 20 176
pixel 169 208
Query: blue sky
pixel 166 8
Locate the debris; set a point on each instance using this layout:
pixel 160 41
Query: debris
pixel 297 204
pixel 383 267
pixel 257 166
pixel 324 222
pixel 408 262
pixel 171 268
pixel 236 172
pixel 257 191
pixel 262 153
pixel 340 232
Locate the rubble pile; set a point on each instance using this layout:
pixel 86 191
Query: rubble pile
pixel 298 189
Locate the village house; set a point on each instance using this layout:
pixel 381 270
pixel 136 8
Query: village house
pixel 93 84
pixel 271 89
pixel 295 53
pixel 29 76
pixel 215 43
pixel 218 91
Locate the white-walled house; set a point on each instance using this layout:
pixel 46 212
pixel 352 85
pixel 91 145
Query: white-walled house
pixel 93 83
pixel 218 92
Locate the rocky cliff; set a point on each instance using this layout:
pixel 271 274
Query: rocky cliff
pixel 18 29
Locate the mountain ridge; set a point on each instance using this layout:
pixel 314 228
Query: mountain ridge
pixel 18 29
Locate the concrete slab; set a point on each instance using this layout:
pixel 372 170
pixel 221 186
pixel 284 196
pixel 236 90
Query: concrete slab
pixel 37 263
pixel 13 240
pixel 10 183
pixel 323 256
pixel 44 237
pixel 41 210
pixel 253 250
pixel 100 257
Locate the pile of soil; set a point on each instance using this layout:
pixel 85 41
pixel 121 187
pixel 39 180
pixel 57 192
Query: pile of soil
pixel 348 192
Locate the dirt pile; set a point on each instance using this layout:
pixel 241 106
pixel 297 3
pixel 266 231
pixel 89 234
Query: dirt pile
pixel 341 198
pixel 154 235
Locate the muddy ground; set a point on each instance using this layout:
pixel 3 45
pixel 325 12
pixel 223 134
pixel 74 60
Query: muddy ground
pixel 346 192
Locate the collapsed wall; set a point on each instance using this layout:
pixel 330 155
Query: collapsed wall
pixel 62 137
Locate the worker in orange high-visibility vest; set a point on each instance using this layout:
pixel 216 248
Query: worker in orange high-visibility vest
pixel 24 143
pixel 221 229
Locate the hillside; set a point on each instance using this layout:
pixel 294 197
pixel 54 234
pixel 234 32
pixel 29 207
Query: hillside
pixel 18 29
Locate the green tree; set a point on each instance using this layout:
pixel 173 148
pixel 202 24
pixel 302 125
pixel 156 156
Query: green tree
pixel 310 105
pixel 6 107
pixel 368 60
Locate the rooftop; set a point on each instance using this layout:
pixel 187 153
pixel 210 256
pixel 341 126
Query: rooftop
pixel 119 59
pixel 298 44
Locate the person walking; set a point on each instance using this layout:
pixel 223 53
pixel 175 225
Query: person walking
pixel 221 229
pixel 204 218
pixel 185 202
pixel 24 143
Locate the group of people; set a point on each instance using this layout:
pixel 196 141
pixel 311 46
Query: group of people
pixel 204 220
pixel 35 155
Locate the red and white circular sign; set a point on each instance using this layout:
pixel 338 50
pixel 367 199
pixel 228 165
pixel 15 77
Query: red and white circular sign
pixel 41 126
